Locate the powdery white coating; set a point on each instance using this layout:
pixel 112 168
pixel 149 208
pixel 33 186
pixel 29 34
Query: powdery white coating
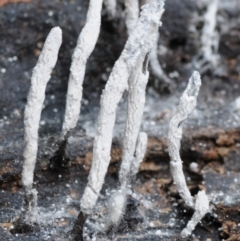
pixel 179 180
pixel 136 48
pixel 187 104
pixel 116 208
pixel 136 101
pixel 40 77
pixel 156 68
pixel 85 45
pixel 201 208
pixel 132 14
pixel 140 152
pixel 111 7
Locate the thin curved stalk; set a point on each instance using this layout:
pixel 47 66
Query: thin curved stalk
pixel 135 51
pixel 187 104
pixel 85 45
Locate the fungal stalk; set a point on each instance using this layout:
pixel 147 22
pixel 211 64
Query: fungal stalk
pixel 136 101
pixel 40 77
pixel 128 171
pixel 139 153
pixel 132 14
pixel 130 163
pixel 85 45
pixel 136 48
pixel 209 37
pixel 187 104
pixel 156 68
pixel 201 208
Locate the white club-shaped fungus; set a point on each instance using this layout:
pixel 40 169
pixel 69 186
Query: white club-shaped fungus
pixel 156 68
pixel 40 77
pixel 137 47
pixel 85 45
pixel 209 38
pixel 136 101
pixel 132 13
pixel 187 104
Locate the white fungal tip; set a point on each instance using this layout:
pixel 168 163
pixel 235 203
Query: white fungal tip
pixel 194 84
pixel 196 78
pixel 55 35
pixel 57 30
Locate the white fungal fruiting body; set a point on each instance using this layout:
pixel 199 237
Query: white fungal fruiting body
pixel 111 7
pixel 156 68
pixel 208 32
pixel 132 14
pixel 201 208
pixel 40 77
pixel 136 102
pixel 85 45
pixel 209 38
pixel 135 51
pixel 187 104
pixel 140 153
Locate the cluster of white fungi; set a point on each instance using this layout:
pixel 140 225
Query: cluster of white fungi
pixel 130 73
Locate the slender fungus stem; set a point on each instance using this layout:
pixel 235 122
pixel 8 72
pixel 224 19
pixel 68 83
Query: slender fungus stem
pixel 208 32
pixel 201 208
pixel 85 45
pixel 40 77
pixel 140 153
pixel 156 68
pixel 209 38
pixel 132 14
pixel 187 104
pixel 138 45
pixel 136 102
pixel 117 201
